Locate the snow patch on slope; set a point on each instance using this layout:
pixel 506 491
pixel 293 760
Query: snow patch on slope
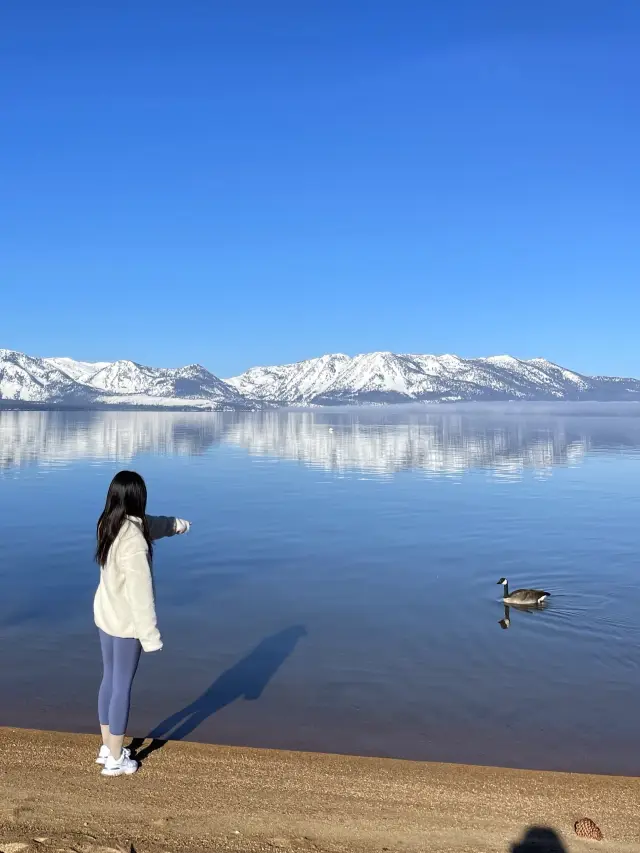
pixel 80 371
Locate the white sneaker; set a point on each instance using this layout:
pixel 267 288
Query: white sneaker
pixel 124 766
pixel 104 754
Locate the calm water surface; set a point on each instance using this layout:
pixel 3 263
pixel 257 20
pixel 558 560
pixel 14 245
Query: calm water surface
pixel 338 589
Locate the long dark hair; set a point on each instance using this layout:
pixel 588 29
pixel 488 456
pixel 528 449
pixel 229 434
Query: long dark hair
pixel 127 495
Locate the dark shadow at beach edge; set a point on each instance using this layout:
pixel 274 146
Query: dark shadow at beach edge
pixel 539 839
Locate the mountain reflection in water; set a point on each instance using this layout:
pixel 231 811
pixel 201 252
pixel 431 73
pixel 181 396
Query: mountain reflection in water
pixel 378 442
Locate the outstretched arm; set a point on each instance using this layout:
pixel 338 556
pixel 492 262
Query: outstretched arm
pixel 166 525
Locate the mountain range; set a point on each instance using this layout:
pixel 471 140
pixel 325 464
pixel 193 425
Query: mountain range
pixel 331 380
pixel 59 382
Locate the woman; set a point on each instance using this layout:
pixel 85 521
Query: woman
pixel 124 608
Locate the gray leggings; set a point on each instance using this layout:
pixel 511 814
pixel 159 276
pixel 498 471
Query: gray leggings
pixel 120 657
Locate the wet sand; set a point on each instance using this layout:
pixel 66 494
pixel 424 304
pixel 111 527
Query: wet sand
pixel 195 797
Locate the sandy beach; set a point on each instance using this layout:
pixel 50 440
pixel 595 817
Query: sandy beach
pixel 194 797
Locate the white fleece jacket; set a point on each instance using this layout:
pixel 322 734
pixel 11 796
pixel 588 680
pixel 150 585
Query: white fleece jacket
pixel 124 602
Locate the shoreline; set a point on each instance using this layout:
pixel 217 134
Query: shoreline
pixel 190 796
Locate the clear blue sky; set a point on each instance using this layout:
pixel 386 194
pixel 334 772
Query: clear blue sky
pixel 259 181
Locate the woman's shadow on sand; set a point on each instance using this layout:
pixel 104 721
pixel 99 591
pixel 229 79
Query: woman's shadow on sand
pixel 244 680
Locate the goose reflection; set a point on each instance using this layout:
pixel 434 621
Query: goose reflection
pixel 505 622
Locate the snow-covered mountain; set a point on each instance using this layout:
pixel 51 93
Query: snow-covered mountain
pixel 63 381
pixel 128 379
pixel 385 377
pixel 292 383
pixel 35 380
pixel 372 378
pixel 78 370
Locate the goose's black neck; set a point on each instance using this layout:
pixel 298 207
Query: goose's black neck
pixel 506 589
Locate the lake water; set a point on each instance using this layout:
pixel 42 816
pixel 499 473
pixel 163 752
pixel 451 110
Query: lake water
pixel 338 589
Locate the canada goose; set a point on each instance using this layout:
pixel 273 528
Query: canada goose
pixel 531 597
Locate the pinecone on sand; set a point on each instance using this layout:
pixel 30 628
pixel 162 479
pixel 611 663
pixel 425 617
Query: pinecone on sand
pixel 586 828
